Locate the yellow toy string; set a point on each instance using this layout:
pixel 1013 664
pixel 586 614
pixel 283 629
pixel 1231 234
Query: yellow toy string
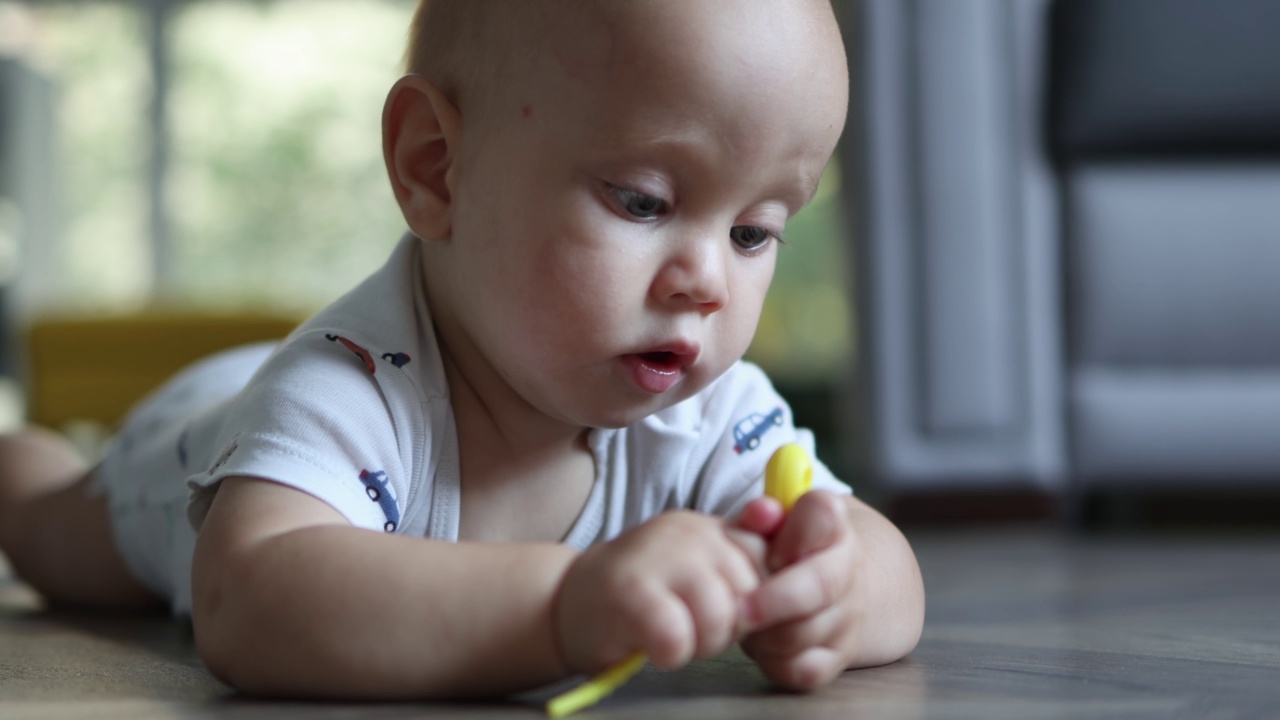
pixel 597 688
pixel 787 476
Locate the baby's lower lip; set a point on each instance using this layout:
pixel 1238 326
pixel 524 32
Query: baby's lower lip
pixel 655 373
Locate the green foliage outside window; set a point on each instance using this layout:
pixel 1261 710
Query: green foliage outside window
pixel 279 192
pixel 276 190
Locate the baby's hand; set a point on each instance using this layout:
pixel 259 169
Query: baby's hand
pixel 672 588
pixel 806 619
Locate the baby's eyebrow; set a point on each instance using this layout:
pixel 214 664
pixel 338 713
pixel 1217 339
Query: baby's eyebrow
pixel 800 192
pixel 693 143
pixel 794 186
pixel 809 179
pixel 812 180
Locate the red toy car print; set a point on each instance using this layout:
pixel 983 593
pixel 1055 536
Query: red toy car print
pixel 359 351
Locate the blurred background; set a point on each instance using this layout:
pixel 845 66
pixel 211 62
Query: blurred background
pixel 1066 229
pixel 223 156
pixel 1040 280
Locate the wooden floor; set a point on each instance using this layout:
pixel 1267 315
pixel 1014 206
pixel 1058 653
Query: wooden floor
pixel 1021 624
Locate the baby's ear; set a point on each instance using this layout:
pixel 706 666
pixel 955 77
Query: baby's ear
pixel 420 133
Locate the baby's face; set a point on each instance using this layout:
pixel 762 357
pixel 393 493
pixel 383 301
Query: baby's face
pixel 618 204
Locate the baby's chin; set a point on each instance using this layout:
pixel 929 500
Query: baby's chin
pixel 625 417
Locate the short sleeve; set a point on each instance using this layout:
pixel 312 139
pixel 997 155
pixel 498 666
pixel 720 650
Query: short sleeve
pixel 320 418
pixel 744 421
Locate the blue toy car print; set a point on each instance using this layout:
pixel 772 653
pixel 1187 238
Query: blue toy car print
pixel 375 486
pixel 182 447
pixel 748 431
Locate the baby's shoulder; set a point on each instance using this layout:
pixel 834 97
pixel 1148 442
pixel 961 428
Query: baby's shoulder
pixel 378 335
pixel 348 352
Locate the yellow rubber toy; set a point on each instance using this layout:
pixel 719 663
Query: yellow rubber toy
pixel 787 476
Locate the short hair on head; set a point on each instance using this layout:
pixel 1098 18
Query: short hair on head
pixel 447 42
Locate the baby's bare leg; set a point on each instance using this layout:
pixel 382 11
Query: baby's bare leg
pixel 56 536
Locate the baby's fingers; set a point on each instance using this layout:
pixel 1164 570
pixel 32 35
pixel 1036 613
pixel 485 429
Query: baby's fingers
pixel 762 516
pixel 800 590
pixel 664 629
pixel 807 670
pixel 826 628
pixel 818 521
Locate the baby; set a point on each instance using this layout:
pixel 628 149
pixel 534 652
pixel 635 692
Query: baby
pixel 527 447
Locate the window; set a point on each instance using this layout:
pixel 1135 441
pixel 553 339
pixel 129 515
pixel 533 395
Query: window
pixel 805 335
pixel 90 60
pixel 278 191
pixel 273 188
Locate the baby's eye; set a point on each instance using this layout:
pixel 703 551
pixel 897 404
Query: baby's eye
pixel 639 205
pixel 750 237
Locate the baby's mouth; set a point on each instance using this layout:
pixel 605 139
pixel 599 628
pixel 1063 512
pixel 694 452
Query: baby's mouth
pixel 662 361
pixel 657 371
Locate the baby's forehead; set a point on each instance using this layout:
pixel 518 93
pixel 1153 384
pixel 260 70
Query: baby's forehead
pixel 758 41
pixel 593 32
pixel 674 30
pixel 582 58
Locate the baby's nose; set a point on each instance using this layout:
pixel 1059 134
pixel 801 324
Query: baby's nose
pixel 695 275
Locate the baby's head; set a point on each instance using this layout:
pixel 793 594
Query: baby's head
pixel 601 184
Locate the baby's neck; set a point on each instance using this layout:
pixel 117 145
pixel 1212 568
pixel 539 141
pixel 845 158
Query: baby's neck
pixel 523 476
pixel 496 418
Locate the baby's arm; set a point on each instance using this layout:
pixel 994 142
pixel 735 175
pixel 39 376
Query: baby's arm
pixel 846 593
pixel 290 600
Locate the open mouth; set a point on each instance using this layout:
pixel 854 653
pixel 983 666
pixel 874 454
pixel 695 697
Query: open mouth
pixel 657 371
pixel 662 361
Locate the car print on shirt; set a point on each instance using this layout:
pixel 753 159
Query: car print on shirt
pixel 748 431
pixel 359 351
pixel 227 452
pixel 182 446
pixel 375 486
pixel 398 359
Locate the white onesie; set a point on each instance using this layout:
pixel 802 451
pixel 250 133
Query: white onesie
pixel 353 408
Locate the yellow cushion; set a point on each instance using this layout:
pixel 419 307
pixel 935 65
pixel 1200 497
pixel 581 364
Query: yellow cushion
pixel 96 368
